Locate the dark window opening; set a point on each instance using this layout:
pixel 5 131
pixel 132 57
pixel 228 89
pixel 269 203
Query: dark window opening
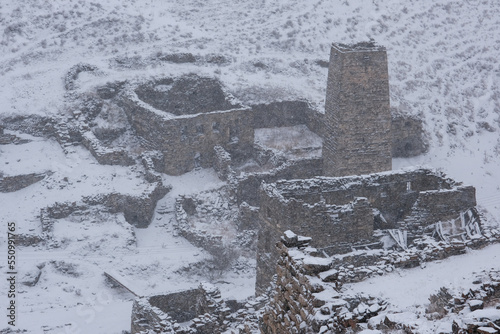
pixel 215 127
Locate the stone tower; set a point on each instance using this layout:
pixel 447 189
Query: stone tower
pixel 357 138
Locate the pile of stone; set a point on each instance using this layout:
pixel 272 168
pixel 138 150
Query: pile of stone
pixel 307 293
pixel 359 265
pixel 106 155
pixel 210 221
pixel 469 305
pixel 17 182
pixel 197 311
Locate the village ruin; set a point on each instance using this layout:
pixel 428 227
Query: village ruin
pixel 321 212
pixel 339 202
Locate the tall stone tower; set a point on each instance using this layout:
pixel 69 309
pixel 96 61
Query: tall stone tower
pixel 357 138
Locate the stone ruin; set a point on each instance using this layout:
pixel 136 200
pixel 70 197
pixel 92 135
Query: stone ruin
pixel 357 137
pixel 342 213
pixel 196 311
pixel 174 125
pixel 307 294
pixel 424 215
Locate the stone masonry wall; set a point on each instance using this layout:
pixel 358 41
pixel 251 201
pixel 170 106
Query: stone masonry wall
pixel 293 307
pixel 18 182
pixel 181 306
pixel 357 118
pixel 137 210
pixel 407 136
pixel 440 205
pixel 392 193
pixel 196 311
pixel 281 114
pixel 187 141
pixel 335 211
pixel 326 224
pixel 248 185
pixel 104 155
pixel 307 295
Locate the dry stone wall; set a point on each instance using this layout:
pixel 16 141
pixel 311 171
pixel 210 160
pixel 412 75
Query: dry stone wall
pixel 440 205
pixel 188 142
pixel 307 295
pixel 185 95
pixel 248 185
pixel 282 114
pixel 197 311
pixel 104 155
pixel 138 210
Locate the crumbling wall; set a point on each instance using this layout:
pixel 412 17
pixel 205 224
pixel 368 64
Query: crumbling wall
pixel 202 311
pixel 222 164
pixel 281 114
pixel 35 125
pixel 326 224
pixel 293 307
pixel 138 210
pixel 248 185
pixel 181 306
pixel 393 194
pixel 407 136
pixel 440 205
pixel 307 295
pixel 14 183
pixel 187 142
pixel 248 218
pixel 211 243
pixel 186 95
pixel 105 155
pixel 339 211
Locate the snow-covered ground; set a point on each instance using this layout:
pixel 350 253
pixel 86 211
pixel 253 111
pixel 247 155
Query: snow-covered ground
pixel 408 291
pixel 294 142
pixel 443 67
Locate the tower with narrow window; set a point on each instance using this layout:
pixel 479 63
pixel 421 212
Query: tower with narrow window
pixel 357 137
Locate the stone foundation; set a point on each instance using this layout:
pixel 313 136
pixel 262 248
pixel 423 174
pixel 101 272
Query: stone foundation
pixel 407 136
pixel 357 118
pixel 201 311
pixel 138 210
pixel 14 183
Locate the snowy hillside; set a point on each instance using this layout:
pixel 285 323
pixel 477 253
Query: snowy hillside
pixel 443 66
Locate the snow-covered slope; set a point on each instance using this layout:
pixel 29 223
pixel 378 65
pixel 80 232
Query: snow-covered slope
pixel 443 67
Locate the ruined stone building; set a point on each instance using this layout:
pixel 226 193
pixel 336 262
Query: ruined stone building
pixel 342 200
pixel 340 213
pixel 179 121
